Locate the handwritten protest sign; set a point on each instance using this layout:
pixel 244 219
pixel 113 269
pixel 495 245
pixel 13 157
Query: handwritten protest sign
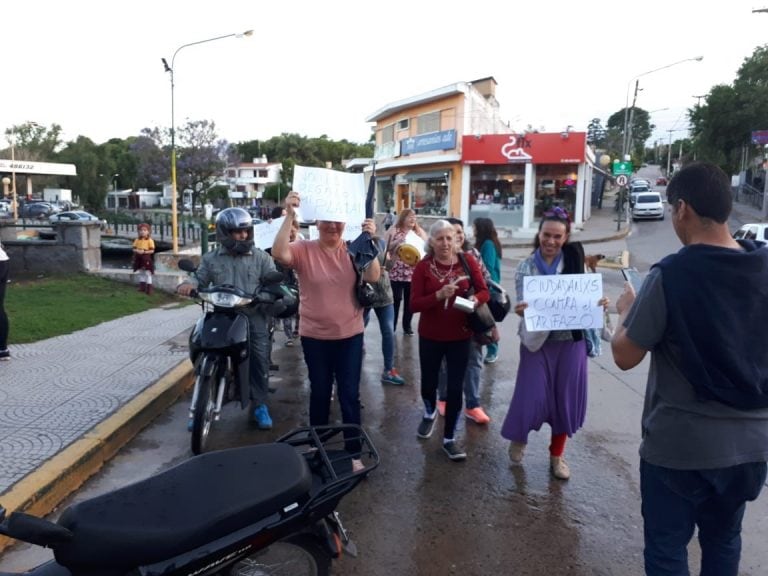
pixel 330 194
pixel 264 233
pixel 563 302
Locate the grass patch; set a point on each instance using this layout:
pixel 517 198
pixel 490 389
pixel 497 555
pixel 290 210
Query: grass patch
pixel 51 306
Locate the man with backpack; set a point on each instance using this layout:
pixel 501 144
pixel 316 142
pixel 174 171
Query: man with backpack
pixel 701 313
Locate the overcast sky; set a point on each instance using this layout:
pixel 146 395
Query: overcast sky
pixel 322 67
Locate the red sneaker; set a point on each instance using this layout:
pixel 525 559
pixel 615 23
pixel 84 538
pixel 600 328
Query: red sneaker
pixel 477 415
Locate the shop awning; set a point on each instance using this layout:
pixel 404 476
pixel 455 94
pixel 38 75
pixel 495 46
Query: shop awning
pixel 426 175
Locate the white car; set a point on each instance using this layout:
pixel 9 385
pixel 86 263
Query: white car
pixel 752 232
pixel 648 205
pixel 73 216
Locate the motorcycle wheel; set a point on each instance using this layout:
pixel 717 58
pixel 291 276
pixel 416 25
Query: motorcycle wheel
pixel 206 403
pixel 297 556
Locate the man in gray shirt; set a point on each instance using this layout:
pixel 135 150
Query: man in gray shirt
pixel 705 419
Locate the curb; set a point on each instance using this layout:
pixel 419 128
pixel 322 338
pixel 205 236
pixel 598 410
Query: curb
pixel 42 490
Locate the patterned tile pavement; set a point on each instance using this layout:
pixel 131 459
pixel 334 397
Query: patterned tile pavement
pixel 54 391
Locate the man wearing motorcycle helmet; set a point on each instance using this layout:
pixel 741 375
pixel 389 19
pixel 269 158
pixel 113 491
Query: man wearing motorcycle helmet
pixel 236 261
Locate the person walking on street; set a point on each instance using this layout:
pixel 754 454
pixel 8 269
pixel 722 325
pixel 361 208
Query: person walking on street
pixel 551 384
pixel 444 333
pixel 5 266
pixel 143 261
pixel 331 327
pixel 400 272
pixel 705 418
pixel 487 243
pixel 237 262
pixel 385 313
pixel 389 219
pixel 472 408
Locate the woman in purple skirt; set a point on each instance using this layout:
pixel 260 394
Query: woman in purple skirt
pixel 551 384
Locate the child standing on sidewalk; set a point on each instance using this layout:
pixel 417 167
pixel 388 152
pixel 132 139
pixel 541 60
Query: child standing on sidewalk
pixel 143 263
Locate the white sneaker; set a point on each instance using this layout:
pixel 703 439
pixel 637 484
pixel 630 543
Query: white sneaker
pixel 559 468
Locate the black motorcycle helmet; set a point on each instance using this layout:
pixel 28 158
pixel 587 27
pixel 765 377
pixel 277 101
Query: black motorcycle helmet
pixel 228 221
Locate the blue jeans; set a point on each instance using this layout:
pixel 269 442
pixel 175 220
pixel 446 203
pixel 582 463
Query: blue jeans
pixel 471 377
pixel 340 361
pixel 386 316
pixel 676 501
pixel 258 359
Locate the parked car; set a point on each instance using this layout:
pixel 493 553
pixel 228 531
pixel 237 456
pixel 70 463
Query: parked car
pixel 661 181
pixel 638 189
pixel 73 216
pixel 648 205
pixel 752 232
pixel 36 210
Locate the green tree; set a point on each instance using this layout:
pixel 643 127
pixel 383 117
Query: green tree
pixel 94 172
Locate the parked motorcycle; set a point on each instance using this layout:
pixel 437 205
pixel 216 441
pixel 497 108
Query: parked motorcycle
pixel 268 509
pixel 219 347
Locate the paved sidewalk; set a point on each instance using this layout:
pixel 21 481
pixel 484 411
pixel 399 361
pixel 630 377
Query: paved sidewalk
pixel 68 404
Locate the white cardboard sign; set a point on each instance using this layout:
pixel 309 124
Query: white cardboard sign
pixel 330 195
pixel 563 302
pixel 264 234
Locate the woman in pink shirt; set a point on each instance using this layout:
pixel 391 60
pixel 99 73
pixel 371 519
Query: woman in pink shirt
pixel 331 327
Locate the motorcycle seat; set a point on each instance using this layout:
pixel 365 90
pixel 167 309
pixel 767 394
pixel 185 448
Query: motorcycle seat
pixel 184 507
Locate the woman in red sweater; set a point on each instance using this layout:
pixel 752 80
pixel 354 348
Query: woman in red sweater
pixel 443 330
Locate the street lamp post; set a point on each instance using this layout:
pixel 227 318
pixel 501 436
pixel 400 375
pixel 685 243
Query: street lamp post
pixel 114 189
pixel 625 145
pixel 170 69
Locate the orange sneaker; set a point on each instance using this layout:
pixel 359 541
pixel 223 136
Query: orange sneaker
pixel 477 415
pixel 441 407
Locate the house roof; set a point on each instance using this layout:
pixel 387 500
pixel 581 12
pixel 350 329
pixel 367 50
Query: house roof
pixel 424 98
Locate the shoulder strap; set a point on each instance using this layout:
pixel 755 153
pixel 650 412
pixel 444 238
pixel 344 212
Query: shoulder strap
pixel 467 271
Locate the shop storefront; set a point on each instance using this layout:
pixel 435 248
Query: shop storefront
pixel 513 179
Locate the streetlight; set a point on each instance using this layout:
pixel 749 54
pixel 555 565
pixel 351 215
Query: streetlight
pixel 636 79
pixel 174 216
pixel 114 189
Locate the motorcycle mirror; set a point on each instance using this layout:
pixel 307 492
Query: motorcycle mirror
pixel 187 265
pixel 273 277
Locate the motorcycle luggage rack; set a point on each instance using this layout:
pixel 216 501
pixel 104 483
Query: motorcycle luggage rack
pixel 331 465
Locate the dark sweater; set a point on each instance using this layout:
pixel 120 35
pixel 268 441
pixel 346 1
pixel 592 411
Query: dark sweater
pixel 717 312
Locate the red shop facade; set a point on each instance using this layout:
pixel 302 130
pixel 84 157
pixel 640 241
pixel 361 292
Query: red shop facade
pixel 514 178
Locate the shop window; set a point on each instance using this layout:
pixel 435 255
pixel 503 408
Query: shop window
pixel 497 192
pixel 385 195
pixel 429 122
pixel 429 196
pixel 555 186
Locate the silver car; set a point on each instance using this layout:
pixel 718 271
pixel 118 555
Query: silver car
pixel 648 205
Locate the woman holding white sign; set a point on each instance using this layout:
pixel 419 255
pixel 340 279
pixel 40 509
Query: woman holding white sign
pixel 551 384
pixel 331 327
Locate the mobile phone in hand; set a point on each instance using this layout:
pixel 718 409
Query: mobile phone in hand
pixel 634 277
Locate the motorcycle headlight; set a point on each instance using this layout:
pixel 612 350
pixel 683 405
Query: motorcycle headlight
pixel 225 299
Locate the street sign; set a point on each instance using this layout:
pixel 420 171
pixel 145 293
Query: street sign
pixel 621 179
pixel 622 168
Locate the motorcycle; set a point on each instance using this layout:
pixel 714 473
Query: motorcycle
pixel 256 510
pixel 219 347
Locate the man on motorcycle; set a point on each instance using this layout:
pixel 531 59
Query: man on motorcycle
pixel 237 262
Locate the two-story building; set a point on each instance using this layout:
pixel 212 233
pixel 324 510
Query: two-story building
pixel 447 152
pixel 418 146
pixel 248 180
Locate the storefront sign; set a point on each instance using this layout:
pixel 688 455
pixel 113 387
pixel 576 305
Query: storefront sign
pixel 27 167
pixel 537 148
pixel 445 140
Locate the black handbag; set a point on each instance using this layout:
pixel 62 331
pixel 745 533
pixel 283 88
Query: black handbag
pixel 500 303
pixel 481 320
pixel 365 292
